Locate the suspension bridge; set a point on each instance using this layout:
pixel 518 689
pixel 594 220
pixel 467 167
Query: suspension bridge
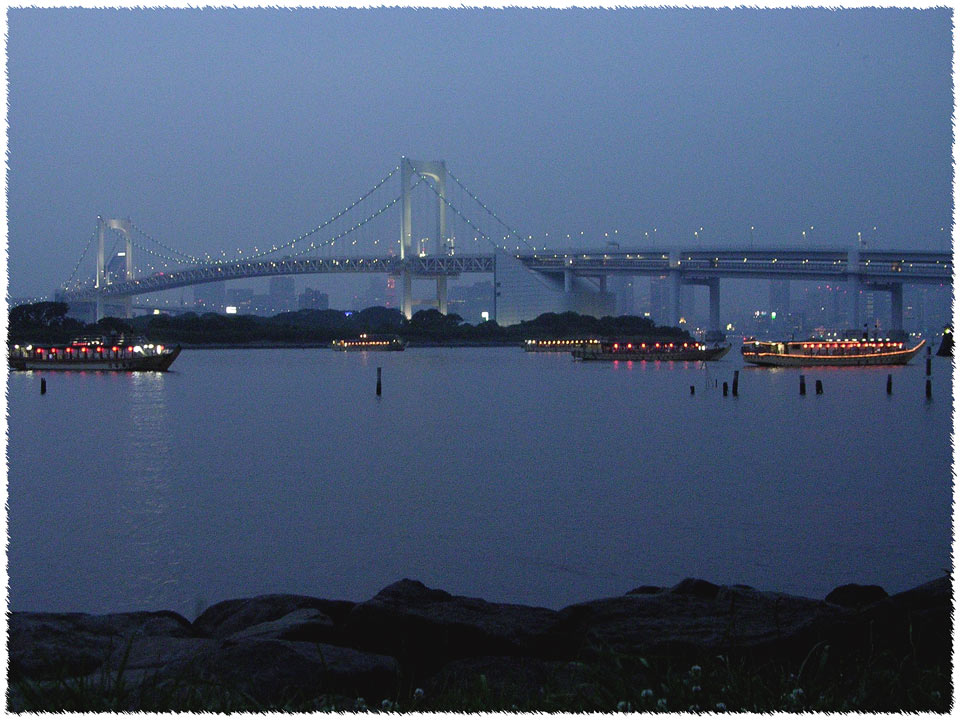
pixel 357 239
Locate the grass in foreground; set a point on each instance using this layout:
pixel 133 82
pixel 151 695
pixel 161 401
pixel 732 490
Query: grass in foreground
pixel 821 683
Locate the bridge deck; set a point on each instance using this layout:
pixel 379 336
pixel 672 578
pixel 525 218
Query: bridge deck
pixel 877 267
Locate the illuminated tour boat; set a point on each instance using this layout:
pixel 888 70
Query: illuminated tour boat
pixel 651 351
pixel 558 345
pixel 370 342
pixel 804 353
pixel 107 353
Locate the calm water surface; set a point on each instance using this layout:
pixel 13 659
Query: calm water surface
pixel 487 472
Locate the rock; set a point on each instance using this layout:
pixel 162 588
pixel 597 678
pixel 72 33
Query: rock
pixel 429 627
pixel 275 672
pixel 305 624
pixel 917 622
pixel 694 618
pixel 645 590
pixel 56 645
pixel 231 616
pixel 854 596
pixel 696 588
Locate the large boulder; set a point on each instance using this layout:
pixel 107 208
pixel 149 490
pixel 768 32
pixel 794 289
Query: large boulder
pixel 855 596
pixel 275 673
pixel 917 622
pixel 305 625
pixel 696 616
pixel 429 627
pixel 56 645
pixel 231 616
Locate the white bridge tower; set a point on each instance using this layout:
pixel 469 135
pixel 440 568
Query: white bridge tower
pixel 437 171
pixel 123 227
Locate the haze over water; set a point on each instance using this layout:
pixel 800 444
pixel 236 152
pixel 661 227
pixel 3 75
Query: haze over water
pixel 486 472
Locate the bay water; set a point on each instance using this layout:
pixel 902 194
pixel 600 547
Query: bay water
pixel 488 472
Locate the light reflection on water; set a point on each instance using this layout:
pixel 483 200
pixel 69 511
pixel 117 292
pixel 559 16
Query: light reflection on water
pixel 145 501
pixel 514 476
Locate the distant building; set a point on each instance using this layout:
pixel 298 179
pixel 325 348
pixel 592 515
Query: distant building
pixel 211 297
pixel 659 307
pixel 312 299
pixel 471 301
pixel 282 294
pixel 779 297
pixel 241 299
pixel 376 292
pixel 390 296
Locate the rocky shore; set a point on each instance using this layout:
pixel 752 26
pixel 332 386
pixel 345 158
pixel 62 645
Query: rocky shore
pixel 409 644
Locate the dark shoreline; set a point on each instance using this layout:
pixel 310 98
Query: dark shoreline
pixel 695 645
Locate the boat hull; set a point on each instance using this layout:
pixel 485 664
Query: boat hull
pixel 149 363
pixel 690 355
pixel 898 357
pixel 370 348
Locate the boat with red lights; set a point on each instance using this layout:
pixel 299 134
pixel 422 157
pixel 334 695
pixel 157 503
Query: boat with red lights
pixel 841 353
pixel 370 342
pixel 115 353
pixel 558 345
pixel 652 351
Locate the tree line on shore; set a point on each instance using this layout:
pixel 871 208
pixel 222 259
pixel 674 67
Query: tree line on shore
pixel 48 322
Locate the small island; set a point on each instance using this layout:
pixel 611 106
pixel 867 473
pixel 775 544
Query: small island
pixel 48 322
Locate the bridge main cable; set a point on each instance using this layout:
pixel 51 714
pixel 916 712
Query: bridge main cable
pixel 331 220
pixel 467 220
pixel 82 255
pixel 480 202
pixel 344 233
pixel 189 258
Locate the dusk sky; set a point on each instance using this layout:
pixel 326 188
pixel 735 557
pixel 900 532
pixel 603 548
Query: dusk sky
pixel 222 129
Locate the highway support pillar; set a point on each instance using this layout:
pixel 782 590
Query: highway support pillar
pixel 442 294
pixel 406 297
pixel 896 311
pixel 853 290
pixel 714 331
pixel 676 311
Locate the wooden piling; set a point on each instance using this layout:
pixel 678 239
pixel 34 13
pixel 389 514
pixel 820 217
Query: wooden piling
pixel 378 382
pixel 43 386
pixel 724 388
pixel 889 384
pixel 736 381
pixel 819 387
pixel 693 390
pixel 929 392
pixel 803 385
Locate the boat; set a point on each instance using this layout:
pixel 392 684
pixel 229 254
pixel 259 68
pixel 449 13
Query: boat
pixel 370 342
pixel 117 353
pixel 652 351
pixel 557 345
pixel 803 353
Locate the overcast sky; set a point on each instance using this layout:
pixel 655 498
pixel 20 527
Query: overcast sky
pixel 219 129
